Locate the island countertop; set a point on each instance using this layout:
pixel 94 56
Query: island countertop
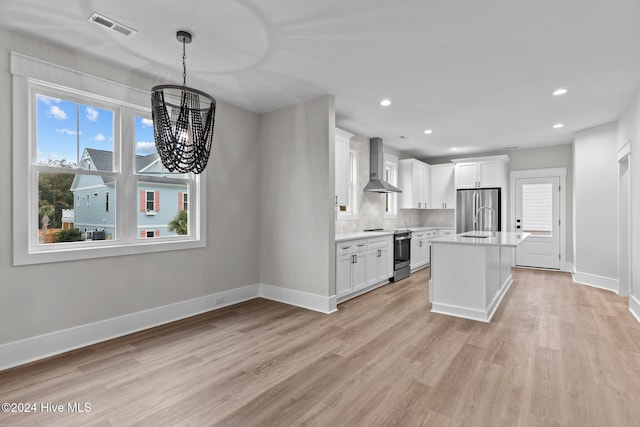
pixel 484 238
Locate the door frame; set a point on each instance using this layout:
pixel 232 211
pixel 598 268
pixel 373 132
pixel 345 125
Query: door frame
pixel 624 221
pixel 561 174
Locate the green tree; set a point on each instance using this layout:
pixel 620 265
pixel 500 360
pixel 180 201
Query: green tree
pixel 53 190
pixel 180 223
pixel 71 235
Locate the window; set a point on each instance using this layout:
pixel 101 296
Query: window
pixel 87 138
pixel 537 209
pixel 391 176
pixel 151 202
pixel 351 210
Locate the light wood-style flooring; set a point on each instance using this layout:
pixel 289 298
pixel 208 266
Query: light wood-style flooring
pixel 555 354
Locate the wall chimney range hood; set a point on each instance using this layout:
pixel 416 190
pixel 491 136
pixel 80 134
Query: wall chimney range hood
pixel 376 183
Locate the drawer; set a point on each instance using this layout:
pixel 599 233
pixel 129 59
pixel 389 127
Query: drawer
pixel 350 246
pixel 445 232
pixel 379 242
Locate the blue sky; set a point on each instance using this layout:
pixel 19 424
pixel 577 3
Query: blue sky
pixel 65 129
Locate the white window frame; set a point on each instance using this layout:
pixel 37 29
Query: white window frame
pixel 30 74
pixel 391 163
pixel 354 188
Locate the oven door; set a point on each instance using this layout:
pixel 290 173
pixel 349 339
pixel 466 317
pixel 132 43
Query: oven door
pixel 401 251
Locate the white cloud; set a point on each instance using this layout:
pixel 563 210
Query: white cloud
pixel 147 122
pixel 48 99
pixel 67 131
pixel 144 147
pixel 99 137
pixel 92 114
pixel 57 112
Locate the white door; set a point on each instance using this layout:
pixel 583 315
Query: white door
pixel 538 213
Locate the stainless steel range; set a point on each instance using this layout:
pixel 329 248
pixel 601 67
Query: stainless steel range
pixel 401 254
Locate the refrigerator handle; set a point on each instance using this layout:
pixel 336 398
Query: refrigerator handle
pixel 475 209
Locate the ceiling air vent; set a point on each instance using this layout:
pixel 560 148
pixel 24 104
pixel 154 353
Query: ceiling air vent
pixel 111 24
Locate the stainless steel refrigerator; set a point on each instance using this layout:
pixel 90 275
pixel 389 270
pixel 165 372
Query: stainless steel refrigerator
pixel 478 210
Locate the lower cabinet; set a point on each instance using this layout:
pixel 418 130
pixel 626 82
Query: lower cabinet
pixel 362 263
pixel 421 248
pixel 379 262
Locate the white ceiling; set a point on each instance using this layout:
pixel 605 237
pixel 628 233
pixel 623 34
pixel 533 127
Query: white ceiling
pixel 479 73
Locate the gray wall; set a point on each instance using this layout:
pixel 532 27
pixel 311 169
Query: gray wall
pixel 48 297
pixel 595 201
pixel 560 156
pixel 297 186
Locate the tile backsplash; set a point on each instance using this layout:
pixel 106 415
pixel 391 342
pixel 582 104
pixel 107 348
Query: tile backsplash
pixel 371 206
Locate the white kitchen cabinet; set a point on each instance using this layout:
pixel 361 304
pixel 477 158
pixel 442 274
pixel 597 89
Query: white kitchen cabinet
pixel 443 190
pixel 351 266
pixel 421 248
pixel 413 180
pixel 342 139
pixel 481 172
pixel 362 265
pixel 379 261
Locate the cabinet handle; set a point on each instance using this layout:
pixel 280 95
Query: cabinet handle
pixel 361 245
pixel 419 205
pixel 336 200
pixel 355 257
pixel 379 253
pixel 346 247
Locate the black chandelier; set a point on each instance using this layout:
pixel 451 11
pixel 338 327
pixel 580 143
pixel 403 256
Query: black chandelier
pixel 183 121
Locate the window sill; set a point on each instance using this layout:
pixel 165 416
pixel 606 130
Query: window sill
pixel 104 249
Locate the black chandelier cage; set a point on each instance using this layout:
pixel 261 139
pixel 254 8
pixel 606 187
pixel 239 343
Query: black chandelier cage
pixel 183 120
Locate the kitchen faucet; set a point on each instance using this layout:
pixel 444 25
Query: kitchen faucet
pixel 493 218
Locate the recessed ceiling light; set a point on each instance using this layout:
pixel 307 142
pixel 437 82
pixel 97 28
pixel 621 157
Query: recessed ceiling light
pixel 428 131
pixel 385 102
pixel 454 148
pixel 558 125
pixel 559 91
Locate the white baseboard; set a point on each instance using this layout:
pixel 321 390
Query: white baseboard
pixel 596 281
pixel 498 298
pixel 634 307
pixel 42 346
pixel 457 311
pixel 569 267
pixel 299 299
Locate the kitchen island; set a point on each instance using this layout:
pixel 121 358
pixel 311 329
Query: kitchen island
pixel 471 273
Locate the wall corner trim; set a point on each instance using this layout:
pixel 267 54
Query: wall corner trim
pixel 601 282
pixel 634 307
pixel 39 347
pixel 299 299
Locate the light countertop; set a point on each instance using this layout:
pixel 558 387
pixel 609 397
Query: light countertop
pixel 369 234
pixel 362 235
pixel 483 238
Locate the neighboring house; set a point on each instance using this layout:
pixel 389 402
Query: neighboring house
pixel 94 198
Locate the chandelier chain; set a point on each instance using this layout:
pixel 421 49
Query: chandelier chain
pixel 184 63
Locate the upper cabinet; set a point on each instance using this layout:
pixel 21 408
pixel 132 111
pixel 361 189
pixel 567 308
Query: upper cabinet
pixel 413 180
pixel 443 190
pixel 342 167
pixel 481 172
